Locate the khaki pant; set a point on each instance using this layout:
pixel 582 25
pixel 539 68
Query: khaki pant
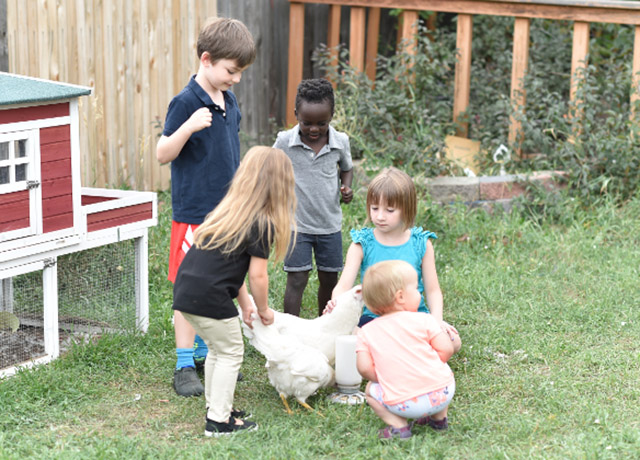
pixel 226 351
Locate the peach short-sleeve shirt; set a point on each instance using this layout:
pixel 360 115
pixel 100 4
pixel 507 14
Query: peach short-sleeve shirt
pixel 406 364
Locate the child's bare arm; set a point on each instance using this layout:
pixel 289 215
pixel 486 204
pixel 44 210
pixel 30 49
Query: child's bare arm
pixel 346 179
pixel 365 366
pixel 432 291
pixel 433 294
pixel 350 271
pixel 443 345
pixel 259 284
pixel 169 147
pixel 245 304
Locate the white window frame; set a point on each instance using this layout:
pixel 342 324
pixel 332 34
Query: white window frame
pixel 31 181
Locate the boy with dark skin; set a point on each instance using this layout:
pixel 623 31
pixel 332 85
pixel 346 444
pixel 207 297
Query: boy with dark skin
pixel 321 158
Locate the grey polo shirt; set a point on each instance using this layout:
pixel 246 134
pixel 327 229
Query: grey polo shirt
pixel 317 179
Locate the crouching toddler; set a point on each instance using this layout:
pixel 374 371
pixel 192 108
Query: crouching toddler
pixel 403 353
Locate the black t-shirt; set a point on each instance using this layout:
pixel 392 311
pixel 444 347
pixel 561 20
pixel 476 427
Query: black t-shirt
pixel 208 280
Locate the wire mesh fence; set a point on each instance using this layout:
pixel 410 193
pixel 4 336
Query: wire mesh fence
pixel 22 333
pixel 96 294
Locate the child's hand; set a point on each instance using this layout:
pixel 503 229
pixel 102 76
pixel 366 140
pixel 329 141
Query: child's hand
pixel 199 120
pixel 331 304
pixel 266 316
pixel 247 316
pixel 347 194
pixel 451 331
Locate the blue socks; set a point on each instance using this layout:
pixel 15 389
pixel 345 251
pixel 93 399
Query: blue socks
pixel 186 356
pixel 200 349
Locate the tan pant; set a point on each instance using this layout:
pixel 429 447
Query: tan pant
pixel 226 351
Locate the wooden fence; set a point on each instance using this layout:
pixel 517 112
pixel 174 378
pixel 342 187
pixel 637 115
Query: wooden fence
pixel 364 30
pixel 4 57
pixel 135 55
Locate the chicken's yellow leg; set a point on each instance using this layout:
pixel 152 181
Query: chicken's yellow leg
pixel 307 406
pixel 286 404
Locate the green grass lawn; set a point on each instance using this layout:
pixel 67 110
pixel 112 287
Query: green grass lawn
pixel 550 321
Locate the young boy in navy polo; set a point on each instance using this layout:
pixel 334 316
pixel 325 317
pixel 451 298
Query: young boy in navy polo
pixel 200 139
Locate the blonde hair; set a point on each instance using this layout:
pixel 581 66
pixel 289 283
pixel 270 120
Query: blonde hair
pixel 396 188
pixel 225 38
pixel 262 193
pixel 381 283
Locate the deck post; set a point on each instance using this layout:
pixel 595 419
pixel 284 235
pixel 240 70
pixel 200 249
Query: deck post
pixel 373 35
pixel 296 52
pixel 518 72
pixel 333 36
pixel 463 73
pixel 357 38
pixel 635 73
pixel 579 54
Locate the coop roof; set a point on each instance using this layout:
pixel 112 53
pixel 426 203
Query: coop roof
pixel 18 89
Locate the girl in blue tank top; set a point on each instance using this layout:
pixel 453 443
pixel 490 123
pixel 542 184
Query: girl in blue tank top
pixel 391 207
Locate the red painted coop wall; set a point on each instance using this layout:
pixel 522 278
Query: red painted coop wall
pixel 38 112
pixel 57 202
pixel 120 216
pixel 14 211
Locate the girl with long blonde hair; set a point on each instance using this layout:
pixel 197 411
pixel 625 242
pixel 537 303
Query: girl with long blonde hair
pixel 235 240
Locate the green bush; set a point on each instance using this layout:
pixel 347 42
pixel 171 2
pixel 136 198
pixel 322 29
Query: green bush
pixel 398 121
pixel 403 119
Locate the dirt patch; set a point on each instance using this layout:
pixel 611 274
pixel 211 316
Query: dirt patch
pixel 25 344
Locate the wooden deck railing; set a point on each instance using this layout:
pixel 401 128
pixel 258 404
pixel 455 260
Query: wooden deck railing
pixel 363 48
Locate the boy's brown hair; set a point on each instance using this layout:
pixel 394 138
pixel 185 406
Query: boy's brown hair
pixel 381 283
pixel 396 188
pixel 225 38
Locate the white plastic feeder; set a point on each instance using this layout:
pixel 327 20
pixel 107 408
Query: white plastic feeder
pixel 348 378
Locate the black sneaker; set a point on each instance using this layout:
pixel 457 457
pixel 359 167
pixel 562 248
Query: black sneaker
pixel 217 429
pixel 240 414
pixel 186 382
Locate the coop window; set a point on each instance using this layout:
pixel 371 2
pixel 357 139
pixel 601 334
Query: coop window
pixel 16 159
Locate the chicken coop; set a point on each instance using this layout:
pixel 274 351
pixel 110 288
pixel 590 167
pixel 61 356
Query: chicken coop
pixel 73 260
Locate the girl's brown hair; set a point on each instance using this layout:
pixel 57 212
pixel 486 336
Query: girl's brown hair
pixel 381 283
pixel 262 193
pixel 396 189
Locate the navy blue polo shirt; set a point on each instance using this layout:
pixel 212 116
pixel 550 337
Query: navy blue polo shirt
pixel 202 172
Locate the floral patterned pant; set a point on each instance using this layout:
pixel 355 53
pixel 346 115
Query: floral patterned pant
pixel 421 406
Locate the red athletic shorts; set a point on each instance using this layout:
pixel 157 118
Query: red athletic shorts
pixel 181 241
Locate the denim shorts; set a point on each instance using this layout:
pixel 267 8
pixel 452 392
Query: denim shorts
pixel 327 250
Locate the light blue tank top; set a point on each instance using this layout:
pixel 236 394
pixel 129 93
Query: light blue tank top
pixel 412 252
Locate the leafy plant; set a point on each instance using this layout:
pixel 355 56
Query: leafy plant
pixel 397 121
pixel 403 118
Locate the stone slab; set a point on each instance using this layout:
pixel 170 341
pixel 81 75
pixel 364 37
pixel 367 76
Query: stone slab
pixel 450 189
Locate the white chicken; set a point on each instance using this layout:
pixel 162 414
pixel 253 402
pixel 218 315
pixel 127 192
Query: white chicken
pixel 321 332
pixel 294 369
pixel 300 352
